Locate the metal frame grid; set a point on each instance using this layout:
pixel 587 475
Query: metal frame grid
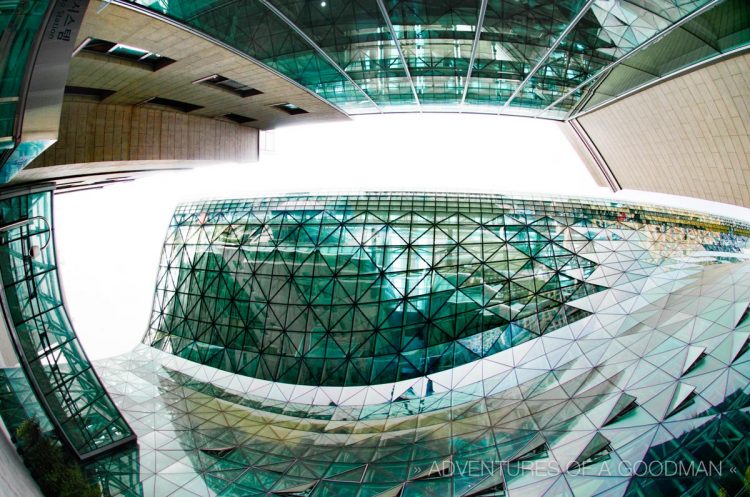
pixel 51 359
pixel 538 59
pixel 351 291
pixel 654 373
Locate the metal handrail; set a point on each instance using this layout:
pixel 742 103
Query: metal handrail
pixel 25 222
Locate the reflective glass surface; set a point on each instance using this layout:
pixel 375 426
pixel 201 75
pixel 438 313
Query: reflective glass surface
pixel 358 291
pixel 52 363
pixel 19 23
pixel 719 31
pixel 540 58
pixel 645 393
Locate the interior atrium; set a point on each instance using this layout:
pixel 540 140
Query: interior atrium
pixel 359 319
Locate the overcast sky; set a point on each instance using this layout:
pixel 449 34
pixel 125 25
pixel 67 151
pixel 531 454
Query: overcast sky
pixel 109 240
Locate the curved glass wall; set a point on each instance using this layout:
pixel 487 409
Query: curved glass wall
pixel 644 393
pixel 375 289
pixel 359 291
pixel 498 56
pixel 52 363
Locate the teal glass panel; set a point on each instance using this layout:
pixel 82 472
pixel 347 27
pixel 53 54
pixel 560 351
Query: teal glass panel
pixel 355 35
pixel 718 31
pixel 515 36
pixel 350 290
pixel 527 55
pixel 608 31
pixel 18 402
pixel 19 23
pixel 122 473
pixel 64 382
pixel 436 38
pixel 22 156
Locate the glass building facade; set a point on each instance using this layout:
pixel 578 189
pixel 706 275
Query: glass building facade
pixel 548 59
pixel 54 380
pixel 401 344
pixel 349 291
pixel 532 346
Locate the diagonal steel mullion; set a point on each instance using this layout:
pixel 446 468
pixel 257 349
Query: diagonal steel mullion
pixel 387 18
pixel 549 51
pixel 317 48
pixel 648 43
pixel 474 47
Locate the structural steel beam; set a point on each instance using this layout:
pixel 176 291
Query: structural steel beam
pixel 549 51
pixel 317 48
pixel 387 18
pixel 474 47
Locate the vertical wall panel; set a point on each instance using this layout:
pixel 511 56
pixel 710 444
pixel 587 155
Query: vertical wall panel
pixel 106 132
pixel 685 136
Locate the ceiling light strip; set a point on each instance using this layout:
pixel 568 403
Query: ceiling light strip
pixel 549 51
pixel 315 47
pixel 648 43
pixel 387 18
pixel 474 47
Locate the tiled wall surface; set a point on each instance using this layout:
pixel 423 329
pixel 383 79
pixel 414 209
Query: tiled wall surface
pixel 94 132
pixel 686 136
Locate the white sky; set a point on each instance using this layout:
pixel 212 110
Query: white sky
pixel 109 240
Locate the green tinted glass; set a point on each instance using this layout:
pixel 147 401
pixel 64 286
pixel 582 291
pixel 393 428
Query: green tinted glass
pixel 496 56
pixel 50 355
